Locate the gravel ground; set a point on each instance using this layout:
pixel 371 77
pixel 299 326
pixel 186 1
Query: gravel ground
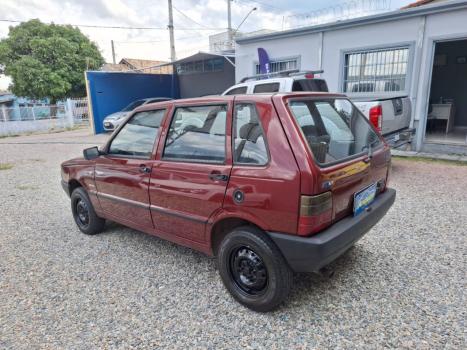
pixel 402 286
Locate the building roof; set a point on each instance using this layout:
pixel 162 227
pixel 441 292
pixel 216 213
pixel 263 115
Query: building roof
pixel 138 65
pixel 114 67
pixel 433 7
pixel 201 55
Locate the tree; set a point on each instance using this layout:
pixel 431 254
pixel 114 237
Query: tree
pixel 47 60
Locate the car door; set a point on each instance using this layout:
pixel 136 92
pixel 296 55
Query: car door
pixel 122 174
pixel 189 179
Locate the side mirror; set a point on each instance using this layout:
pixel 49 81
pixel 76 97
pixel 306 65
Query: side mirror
pixel 91 153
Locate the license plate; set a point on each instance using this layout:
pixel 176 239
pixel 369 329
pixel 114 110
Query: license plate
pixel 363 198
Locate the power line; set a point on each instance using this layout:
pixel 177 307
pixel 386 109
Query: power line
pixel 114 27
pixel 262 4
pixel 191 19
pixel 161 41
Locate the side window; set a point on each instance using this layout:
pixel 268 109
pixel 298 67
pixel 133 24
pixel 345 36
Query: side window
pixel 197 134
pixel 248 136
pixel 138 135
pixel 271 87
pixel 237 91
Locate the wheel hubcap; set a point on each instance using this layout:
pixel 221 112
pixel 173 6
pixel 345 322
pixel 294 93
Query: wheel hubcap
pixel 82 212
pixel 248 270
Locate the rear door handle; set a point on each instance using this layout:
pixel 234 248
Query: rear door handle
pixel 218 177
pixel 144 169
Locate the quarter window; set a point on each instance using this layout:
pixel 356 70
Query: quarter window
pixel 197 134
pixel 138 135
pixel 249 143
pixel 376 70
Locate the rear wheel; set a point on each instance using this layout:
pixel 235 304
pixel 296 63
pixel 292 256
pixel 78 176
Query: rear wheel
pixel 253 269
pixel 83 212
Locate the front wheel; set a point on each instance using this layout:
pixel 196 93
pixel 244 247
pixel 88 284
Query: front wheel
pixel 83 212
pixel 253 269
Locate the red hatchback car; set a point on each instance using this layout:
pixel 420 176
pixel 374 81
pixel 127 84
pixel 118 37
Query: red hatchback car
pixel 269 184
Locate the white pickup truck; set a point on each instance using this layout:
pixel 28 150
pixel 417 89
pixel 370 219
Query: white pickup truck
pixel 390 116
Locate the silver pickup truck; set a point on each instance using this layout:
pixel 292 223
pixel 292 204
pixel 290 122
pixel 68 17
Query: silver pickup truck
pixel 390 116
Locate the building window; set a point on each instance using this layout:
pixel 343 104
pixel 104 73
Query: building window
pixel 202 66
pixel 382 70
pixel 280 65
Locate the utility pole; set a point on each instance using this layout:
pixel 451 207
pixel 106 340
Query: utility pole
pixel 171 32
pixel 229 25
pixel 113 51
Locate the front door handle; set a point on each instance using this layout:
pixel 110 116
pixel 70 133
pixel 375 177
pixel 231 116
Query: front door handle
pixel 144 169
pixel 218 177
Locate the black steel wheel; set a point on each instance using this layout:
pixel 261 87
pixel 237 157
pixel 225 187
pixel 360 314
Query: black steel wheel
pixel 83 213
pixel 253 269
pixel 248 270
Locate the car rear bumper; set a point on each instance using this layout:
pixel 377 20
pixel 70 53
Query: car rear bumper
pixel 310 254
pixel 400 137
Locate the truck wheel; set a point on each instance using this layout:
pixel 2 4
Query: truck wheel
pixel 83 212
pixel 253 269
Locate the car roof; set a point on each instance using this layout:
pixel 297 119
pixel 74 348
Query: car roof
pixel 227 98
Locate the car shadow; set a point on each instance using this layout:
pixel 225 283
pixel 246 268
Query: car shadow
pixel 306 289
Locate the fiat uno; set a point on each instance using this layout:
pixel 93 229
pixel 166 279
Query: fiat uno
pixel 269 184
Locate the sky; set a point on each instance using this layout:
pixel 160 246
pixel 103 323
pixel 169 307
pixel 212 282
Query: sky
pixel 194 20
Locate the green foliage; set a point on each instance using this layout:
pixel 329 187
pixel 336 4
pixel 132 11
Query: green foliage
pixel 48 60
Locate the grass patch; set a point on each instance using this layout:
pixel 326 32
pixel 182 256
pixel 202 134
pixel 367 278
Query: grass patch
pixel 9 135
pixel 26 187
pixel 431 160
pixel 6 166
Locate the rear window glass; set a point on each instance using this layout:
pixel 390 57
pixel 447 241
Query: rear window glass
pixel 310 85
pixel 334 129
pixel 237 91
pixel 271 87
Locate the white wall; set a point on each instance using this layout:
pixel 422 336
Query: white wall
pixel 306 47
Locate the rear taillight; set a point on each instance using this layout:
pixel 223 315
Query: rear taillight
pixel 376 117
pixel 309 76
pixel 315 213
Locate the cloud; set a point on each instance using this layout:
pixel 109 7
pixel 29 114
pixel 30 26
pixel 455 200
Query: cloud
pixel 154 44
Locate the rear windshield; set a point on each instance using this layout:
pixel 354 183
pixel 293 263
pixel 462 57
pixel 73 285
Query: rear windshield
pixel 334 129
pixel 310 85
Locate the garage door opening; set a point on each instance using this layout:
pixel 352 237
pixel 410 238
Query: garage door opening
pixel 447 110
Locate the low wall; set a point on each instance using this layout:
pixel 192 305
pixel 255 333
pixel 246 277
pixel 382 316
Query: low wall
pixel 26 126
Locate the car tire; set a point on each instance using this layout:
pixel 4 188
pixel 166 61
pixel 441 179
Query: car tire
pixel 253 269
pixel 83 213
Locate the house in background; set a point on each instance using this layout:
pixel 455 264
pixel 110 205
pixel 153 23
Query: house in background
pixel 138 65
pixel 421 50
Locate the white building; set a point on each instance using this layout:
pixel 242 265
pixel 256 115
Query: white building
pixel 420 52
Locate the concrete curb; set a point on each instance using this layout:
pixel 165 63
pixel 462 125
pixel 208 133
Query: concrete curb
pixel 412 154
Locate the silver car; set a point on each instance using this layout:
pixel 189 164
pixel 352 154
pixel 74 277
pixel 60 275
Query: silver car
pixel 113 121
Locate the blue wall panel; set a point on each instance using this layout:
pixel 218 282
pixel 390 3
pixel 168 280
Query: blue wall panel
pixel 112 91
